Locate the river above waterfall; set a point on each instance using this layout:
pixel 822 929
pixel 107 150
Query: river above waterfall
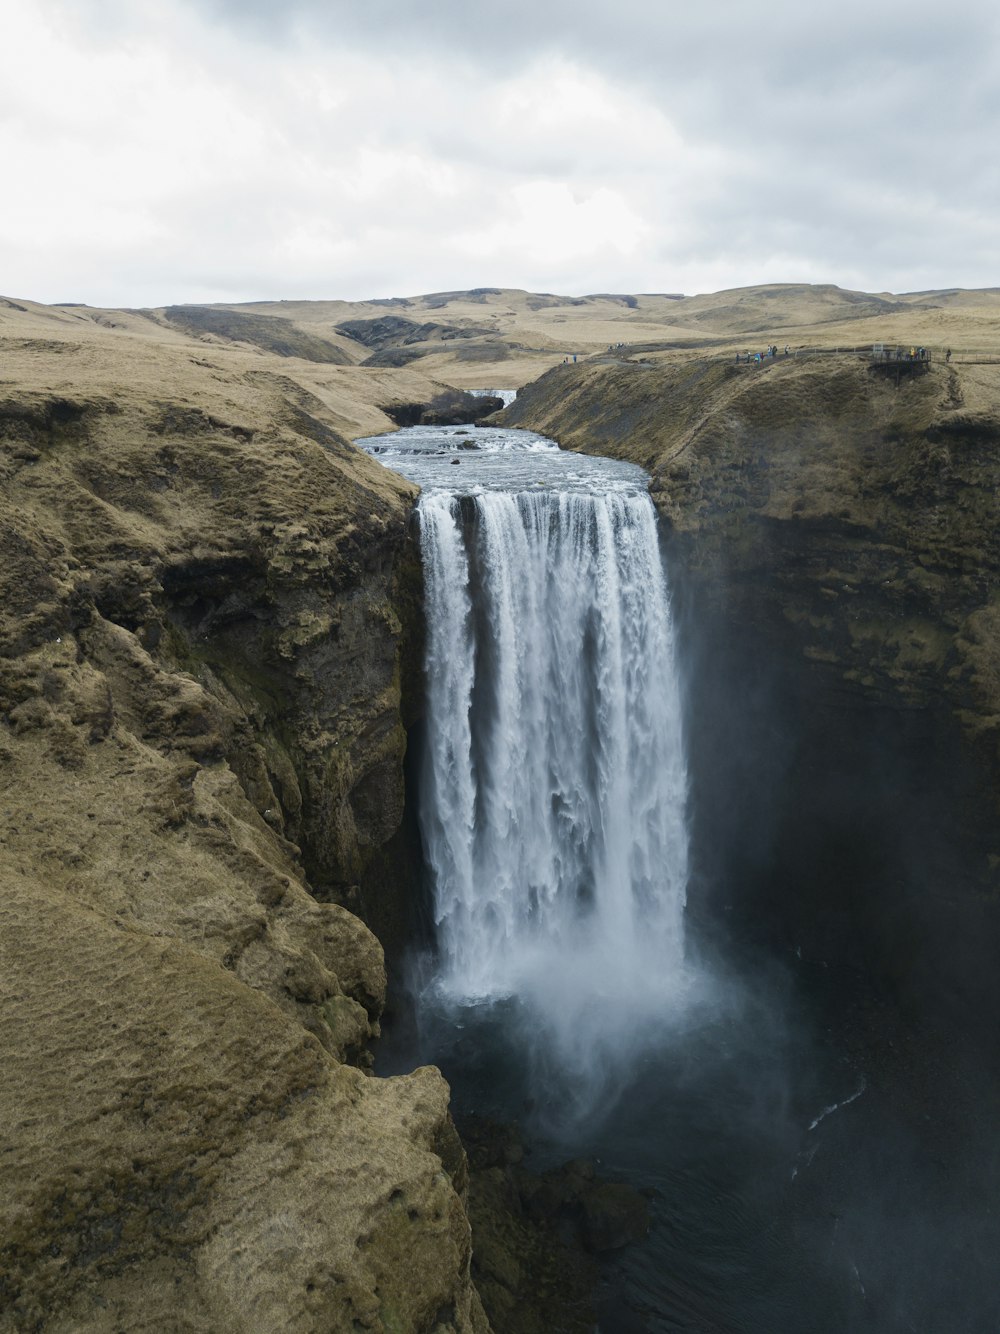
pixel 466 459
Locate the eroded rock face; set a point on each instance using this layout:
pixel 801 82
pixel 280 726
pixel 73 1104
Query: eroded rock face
pixel 453 407
pixel 199 712
pixel 835 562
pixel 202 1162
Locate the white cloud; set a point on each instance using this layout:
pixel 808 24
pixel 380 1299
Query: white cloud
pixel 558 227
pixel 166 150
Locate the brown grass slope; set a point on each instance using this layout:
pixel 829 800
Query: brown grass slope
pixel 198 673
pixel 510 336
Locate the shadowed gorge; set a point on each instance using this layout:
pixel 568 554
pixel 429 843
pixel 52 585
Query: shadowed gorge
pixel 832 543
pixel 552 792
pixel 834 538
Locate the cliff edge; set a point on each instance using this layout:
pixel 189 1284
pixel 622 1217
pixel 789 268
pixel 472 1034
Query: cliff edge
pixel 200 736
pixel 892 485
pixel 831 529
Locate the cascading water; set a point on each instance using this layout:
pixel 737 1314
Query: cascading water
pixel 553 799
pixel 553 794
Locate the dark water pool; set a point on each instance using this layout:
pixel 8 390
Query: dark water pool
pixel 795 1184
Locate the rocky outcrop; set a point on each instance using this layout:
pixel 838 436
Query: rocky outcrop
pixel 835 558
pixel 453 407
pixel 393 331
pixel 536 1236
pixel 200 737
pixel 395 341
pixel 893 485
pixel 270 333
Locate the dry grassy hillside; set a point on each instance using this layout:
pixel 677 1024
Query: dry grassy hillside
pixel 81 349
pixel 503 338
pixel 488 338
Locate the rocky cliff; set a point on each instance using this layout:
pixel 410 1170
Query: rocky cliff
pixel 200 738
pixel 831 527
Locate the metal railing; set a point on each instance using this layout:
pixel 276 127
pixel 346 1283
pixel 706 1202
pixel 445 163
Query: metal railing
pixel 883 355
pixel 875 353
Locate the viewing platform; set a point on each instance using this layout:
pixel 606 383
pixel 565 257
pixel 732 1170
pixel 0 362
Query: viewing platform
pixel 900 361
pixel 883 353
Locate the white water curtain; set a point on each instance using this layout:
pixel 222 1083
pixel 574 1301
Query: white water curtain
pixel 553 800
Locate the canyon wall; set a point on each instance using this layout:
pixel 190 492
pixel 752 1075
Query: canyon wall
pixel 200 765
pixel 831 532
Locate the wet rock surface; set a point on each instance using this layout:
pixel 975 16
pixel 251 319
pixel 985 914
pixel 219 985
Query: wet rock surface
pixel 538 1236
pixel 451 408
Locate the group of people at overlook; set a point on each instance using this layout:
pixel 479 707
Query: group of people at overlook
pixel 758 357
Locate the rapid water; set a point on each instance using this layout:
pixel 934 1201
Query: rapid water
pixel 554 793
pixel 506 396
pixel 552 803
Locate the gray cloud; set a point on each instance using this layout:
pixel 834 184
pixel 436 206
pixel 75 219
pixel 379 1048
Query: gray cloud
pixel 901 92
pixel 330 143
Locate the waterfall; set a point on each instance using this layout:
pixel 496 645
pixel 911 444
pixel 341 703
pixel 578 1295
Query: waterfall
pixel 553 797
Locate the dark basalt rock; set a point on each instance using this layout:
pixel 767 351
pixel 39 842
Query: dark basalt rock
pixel 613 1215
pixel 535 1237
pixel 454 407
pixel 380 333
pixel 392 332
pixel 601 1215
pixel 268 332
pixel 833 553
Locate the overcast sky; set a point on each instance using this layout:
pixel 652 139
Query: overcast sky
pixel 156 151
